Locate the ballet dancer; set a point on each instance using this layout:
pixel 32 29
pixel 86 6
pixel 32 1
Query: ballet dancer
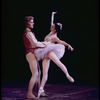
pixel 31 44
pixel 52 52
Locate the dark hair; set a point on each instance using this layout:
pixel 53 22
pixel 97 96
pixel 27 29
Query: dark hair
pixel 57 27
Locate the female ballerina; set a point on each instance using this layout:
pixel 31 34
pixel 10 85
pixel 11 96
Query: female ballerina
pixel 52 52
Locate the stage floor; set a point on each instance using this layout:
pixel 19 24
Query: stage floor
pixel 54 92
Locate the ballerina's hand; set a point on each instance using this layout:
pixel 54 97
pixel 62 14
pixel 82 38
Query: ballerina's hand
pixel 54 12
pixel 70 48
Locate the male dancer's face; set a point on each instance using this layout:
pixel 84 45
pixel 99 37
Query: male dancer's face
pixel 31 23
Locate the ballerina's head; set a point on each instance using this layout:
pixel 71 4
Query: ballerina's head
pixel 56 27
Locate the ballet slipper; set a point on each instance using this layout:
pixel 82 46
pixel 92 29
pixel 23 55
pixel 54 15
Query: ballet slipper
pixel 70 78
pixel 41 92
pixel 31 96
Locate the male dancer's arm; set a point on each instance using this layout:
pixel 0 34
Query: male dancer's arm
pixel 34 41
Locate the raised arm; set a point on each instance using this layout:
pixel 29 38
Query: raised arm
pixel 52 18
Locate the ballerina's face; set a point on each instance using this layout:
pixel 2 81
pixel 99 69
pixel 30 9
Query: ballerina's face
pixel 53 28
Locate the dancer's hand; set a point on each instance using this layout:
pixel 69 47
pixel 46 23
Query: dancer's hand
pixel 70 48
pixel 46 43
pixel 54 12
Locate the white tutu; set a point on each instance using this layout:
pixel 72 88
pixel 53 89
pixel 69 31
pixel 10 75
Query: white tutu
pixel 59 50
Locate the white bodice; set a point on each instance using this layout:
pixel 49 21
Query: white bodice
pixel 50 37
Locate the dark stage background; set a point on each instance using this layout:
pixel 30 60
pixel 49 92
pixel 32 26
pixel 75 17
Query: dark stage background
pixel 80 29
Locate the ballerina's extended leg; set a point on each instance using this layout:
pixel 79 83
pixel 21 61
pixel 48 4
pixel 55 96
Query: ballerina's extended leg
pixel 55 59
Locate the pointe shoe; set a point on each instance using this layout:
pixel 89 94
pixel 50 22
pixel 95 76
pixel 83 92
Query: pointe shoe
pixel 70 79
pixel 41 91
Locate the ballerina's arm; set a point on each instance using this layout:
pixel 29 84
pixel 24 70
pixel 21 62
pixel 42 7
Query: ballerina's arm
pixel 56 39
pixel 52 18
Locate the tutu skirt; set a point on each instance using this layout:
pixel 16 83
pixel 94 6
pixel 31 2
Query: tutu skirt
pixel 59 50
